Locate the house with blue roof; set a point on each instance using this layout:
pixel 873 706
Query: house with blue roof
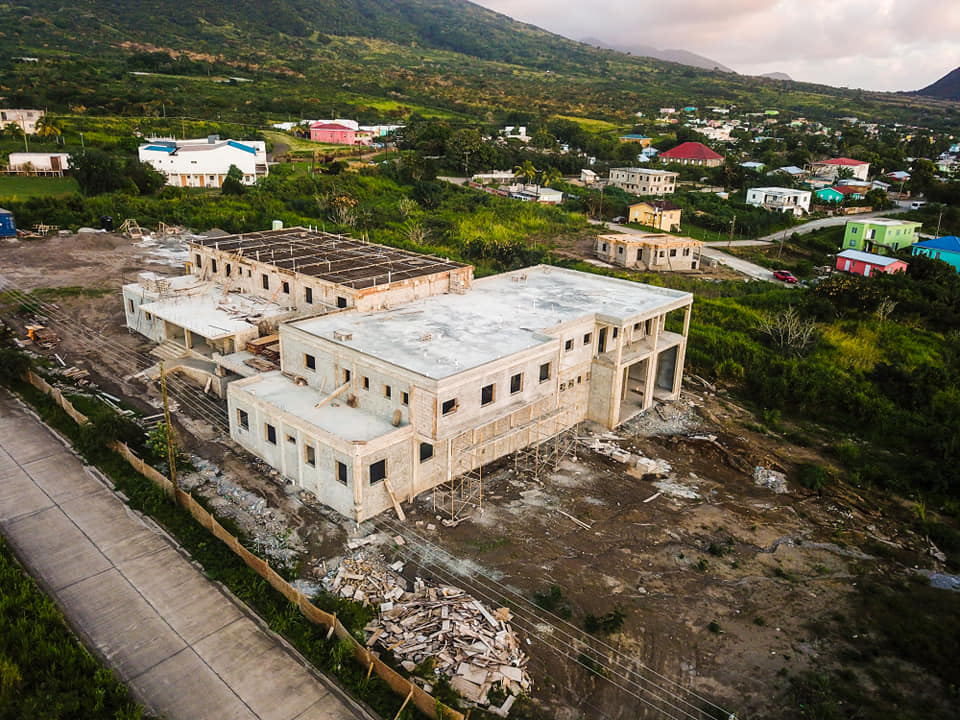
pixel 945 248
pixel 205 162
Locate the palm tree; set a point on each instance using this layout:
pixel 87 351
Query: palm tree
pixel 550 176
pixel 527 171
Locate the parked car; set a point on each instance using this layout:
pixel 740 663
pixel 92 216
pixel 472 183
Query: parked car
pixel 619 219
pixel 785 276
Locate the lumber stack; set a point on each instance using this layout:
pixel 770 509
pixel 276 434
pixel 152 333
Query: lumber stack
pixel 476 648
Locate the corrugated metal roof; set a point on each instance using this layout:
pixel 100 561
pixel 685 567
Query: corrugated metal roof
pixel 865 257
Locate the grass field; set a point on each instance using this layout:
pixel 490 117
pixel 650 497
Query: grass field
pixel 19 187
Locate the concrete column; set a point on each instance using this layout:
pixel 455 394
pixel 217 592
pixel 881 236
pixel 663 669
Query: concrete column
pixel 651 380
pixel 187 338
pixel 616 395
pixel 358 479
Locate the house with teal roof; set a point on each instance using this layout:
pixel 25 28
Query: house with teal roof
pixel 829 195
pixel 945 248
pixel 883 236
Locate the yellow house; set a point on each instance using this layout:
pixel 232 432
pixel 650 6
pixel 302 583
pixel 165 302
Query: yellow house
pixel 658 214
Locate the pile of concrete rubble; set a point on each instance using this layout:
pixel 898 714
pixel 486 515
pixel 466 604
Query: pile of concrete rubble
pixel 476 648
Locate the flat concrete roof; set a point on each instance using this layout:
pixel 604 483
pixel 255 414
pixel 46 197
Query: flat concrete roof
pixel 335 258
pixel 499 316
pixel 336 417
pixel 655 239
pixel 211 313
pixel 890 222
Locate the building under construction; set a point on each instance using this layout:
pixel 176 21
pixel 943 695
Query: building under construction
pixel 397 373
pixel 374 408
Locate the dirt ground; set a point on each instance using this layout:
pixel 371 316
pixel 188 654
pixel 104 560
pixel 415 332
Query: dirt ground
pixel 720 580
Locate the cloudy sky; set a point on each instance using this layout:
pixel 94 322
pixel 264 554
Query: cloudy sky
pixel 871 44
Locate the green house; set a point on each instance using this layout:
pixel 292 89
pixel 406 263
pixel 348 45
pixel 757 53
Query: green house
pixel 883 236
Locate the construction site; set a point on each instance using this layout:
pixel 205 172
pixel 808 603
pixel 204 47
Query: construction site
pixel 650 555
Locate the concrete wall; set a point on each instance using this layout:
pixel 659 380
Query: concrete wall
pixel 246 274
pixel 138 320
pixel 357 499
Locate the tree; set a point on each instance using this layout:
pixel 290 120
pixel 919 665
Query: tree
pixel 550 176
pixel 96 172
pixel 233 182
pixel 790 333
pixel 526 170
pixel 461 145
pixel 147 179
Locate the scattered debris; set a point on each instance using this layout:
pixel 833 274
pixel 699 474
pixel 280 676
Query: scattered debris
pixel 476 648
pixel 770 479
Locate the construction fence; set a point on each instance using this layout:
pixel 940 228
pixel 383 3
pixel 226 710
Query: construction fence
pixel 411 692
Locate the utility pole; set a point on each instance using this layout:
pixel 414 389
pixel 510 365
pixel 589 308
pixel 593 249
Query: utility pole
pixel 732 225
pixel 939 218
pixel 782 238
pixel 171 449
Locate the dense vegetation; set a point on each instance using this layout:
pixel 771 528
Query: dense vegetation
pixel 44 671
pixel 251 61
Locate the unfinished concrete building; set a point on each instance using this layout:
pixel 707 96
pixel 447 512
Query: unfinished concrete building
pixel 650 251
pixel 375 405
pixel 239 287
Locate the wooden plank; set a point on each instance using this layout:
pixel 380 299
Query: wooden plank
pixel 393 499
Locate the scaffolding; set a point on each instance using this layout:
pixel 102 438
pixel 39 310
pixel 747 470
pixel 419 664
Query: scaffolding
pixel 550 437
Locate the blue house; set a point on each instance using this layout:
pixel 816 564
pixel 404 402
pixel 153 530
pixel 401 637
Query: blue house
pixel 942 248
pixel 7 227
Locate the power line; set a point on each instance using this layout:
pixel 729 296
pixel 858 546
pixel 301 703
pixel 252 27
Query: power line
pixel 92 340
pixel 521 604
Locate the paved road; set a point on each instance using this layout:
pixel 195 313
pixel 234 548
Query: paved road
pixel 186 648
pixel 828 222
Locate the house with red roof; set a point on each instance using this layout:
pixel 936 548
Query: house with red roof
pixel 692 153
pixel 832 168
pixel 334 133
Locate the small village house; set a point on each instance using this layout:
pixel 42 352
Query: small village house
pixel 654 252
pixel 692 153
pixel 788 200
pixel 867 264
pixel 658 214
pixel 24 119
pixel 829 195
pixel 39 163
pixel 643 181
pixel 833 168
pixel 337 134
pixel 884 236
pixel 945 248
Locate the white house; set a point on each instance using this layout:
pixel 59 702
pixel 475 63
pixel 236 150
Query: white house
pixel 24 119
pixel 205 162
pixel 43 163
pixel 779 198
pixel 642 181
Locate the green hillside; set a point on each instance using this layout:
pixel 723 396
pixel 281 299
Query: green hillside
pixel 367 58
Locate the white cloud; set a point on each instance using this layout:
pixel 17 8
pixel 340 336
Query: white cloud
pixel 874 44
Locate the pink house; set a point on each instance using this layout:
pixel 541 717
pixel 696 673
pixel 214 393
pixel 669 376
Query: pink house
pixel 862 263
pixel 333 133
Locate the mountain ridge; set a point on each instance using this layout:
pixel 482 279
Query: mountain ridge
pixel 946 88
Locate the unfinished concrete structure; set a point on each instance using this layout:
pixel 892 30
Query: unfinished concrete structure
pixel 239 287
pixel 650 251
pixel 376 405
